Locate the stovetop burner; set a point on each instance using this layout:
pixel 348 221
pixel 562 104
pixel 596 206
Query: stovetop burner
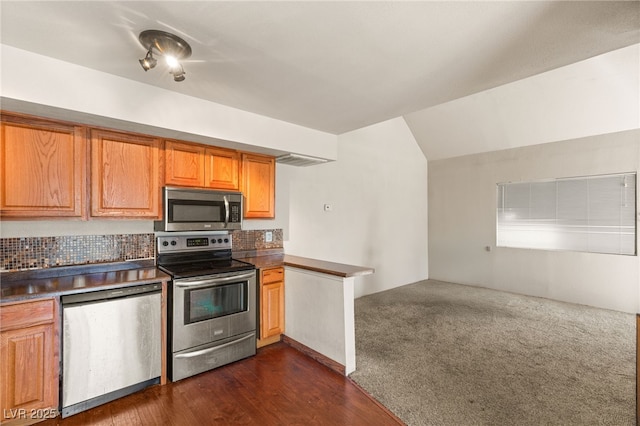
pixel 183 256
pixel 195 269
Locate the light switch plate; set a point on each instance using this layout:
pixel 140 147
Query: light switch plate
pixel 268 236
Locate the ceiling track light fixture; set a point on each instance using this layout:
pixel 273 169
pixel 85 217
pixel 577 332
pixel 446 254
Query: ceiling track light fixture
pixel 148 62
pixel 169 46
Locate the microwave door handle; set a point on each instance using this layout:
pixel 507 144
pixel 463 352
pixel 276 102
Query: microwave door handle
pixel 226 211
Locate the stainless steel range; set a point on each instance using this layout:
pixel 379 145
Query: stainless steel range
pixel 212 303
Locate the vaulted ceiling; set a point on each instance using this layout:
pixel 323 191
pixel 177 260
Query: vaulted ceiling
pixel 331 66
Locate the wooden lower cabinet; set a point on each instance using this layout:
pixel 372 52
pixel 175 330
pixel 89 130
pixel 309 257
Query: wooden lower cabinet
pixel 271 305
pixel 28 361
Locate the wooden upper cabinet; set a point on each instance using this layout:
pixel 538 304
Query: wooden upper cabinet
pixel 200 166
pixel 258 185
pixel 125 175
pixel 45 165
pixel 184 164
pixel 42 168
pixel 221 169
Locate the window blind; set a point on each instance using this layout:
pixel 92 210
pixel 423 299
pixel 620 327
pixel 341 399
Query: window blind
pixel 593 214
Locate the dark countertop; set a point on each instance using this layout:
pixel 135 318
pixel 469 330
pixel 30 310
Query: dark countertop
pixel 270 259
pixel 266 261
pixel 55 282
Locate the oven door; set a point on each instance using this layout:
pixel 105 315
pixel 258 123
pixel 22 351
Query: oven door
pixel 211 308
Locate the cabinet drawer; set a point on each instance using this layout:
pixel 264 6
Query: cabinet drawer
pixel 25 314
pixel 272 275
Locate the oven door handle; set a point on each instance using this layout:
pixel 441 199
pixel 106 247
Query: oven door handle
pixel 213 281
pixel 215 348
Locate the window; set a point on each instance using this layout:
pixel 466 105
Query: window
pixel 593 214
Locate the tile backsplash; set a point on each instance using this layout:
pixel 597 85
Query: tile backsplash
pixel 18 254
pixel 47 252
pixel 256 240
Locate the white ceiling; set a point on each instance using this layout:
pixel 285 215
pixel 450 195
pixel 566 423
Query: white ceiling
pixel 331 66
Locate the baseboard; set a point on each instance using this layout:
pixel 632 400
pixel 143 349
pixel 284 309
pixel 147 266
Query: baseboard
pixel 322 359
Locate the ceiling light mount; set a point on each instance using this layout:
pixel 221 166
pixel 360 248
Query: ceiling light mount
pixel 169 46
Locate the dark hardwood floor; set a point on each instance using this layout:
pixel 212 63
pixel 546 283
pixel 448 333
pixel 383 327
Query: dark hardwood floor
pixel 278 386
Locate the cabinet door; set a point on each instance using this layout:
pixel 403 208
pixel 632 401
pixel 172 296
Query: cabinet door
pixel 221 169
pixel 258 186
pixel 184 164
pixel 272 309
pixel 42 168
pixel 29 376
pixel 125 175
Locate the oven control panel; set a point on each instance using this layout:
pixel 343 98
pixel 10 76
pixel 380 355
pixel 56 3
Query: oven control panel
pixel 199 242
pixel 182 243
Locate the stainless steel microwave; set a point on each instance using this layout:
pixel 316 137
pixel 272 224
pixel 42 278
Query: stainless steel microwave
pixel 189 209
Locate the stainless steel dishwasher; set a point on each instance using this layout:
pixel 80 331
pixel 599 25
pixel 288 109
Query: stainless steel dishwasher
pixel 111 345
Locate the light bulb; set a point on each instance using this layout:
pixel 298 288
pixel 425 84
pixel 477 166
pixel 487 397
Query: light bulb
pixel 172 62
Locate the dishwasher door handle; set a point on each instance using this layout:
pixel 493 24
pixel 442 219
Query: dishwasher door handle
pixel 215 348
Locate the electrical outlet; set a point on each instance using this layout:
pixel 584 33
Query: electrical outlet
pixel 328 208
pixel 268 236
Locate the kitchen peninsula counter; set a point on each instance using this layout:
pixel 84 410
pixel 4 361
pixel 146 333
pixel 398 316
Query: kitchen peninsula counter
pixel 55 282
pixel 270 259
pixel 316 292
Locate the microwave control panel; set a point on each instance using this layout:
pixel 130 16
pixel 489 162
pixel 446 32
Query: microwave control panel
pixel 235 214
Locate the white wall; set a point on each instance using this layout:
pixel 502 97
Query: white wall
pixel 39 85
pixel 462 221
pixel 596 96
pixel 378 193
pixel 311 299
pixel 45 86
